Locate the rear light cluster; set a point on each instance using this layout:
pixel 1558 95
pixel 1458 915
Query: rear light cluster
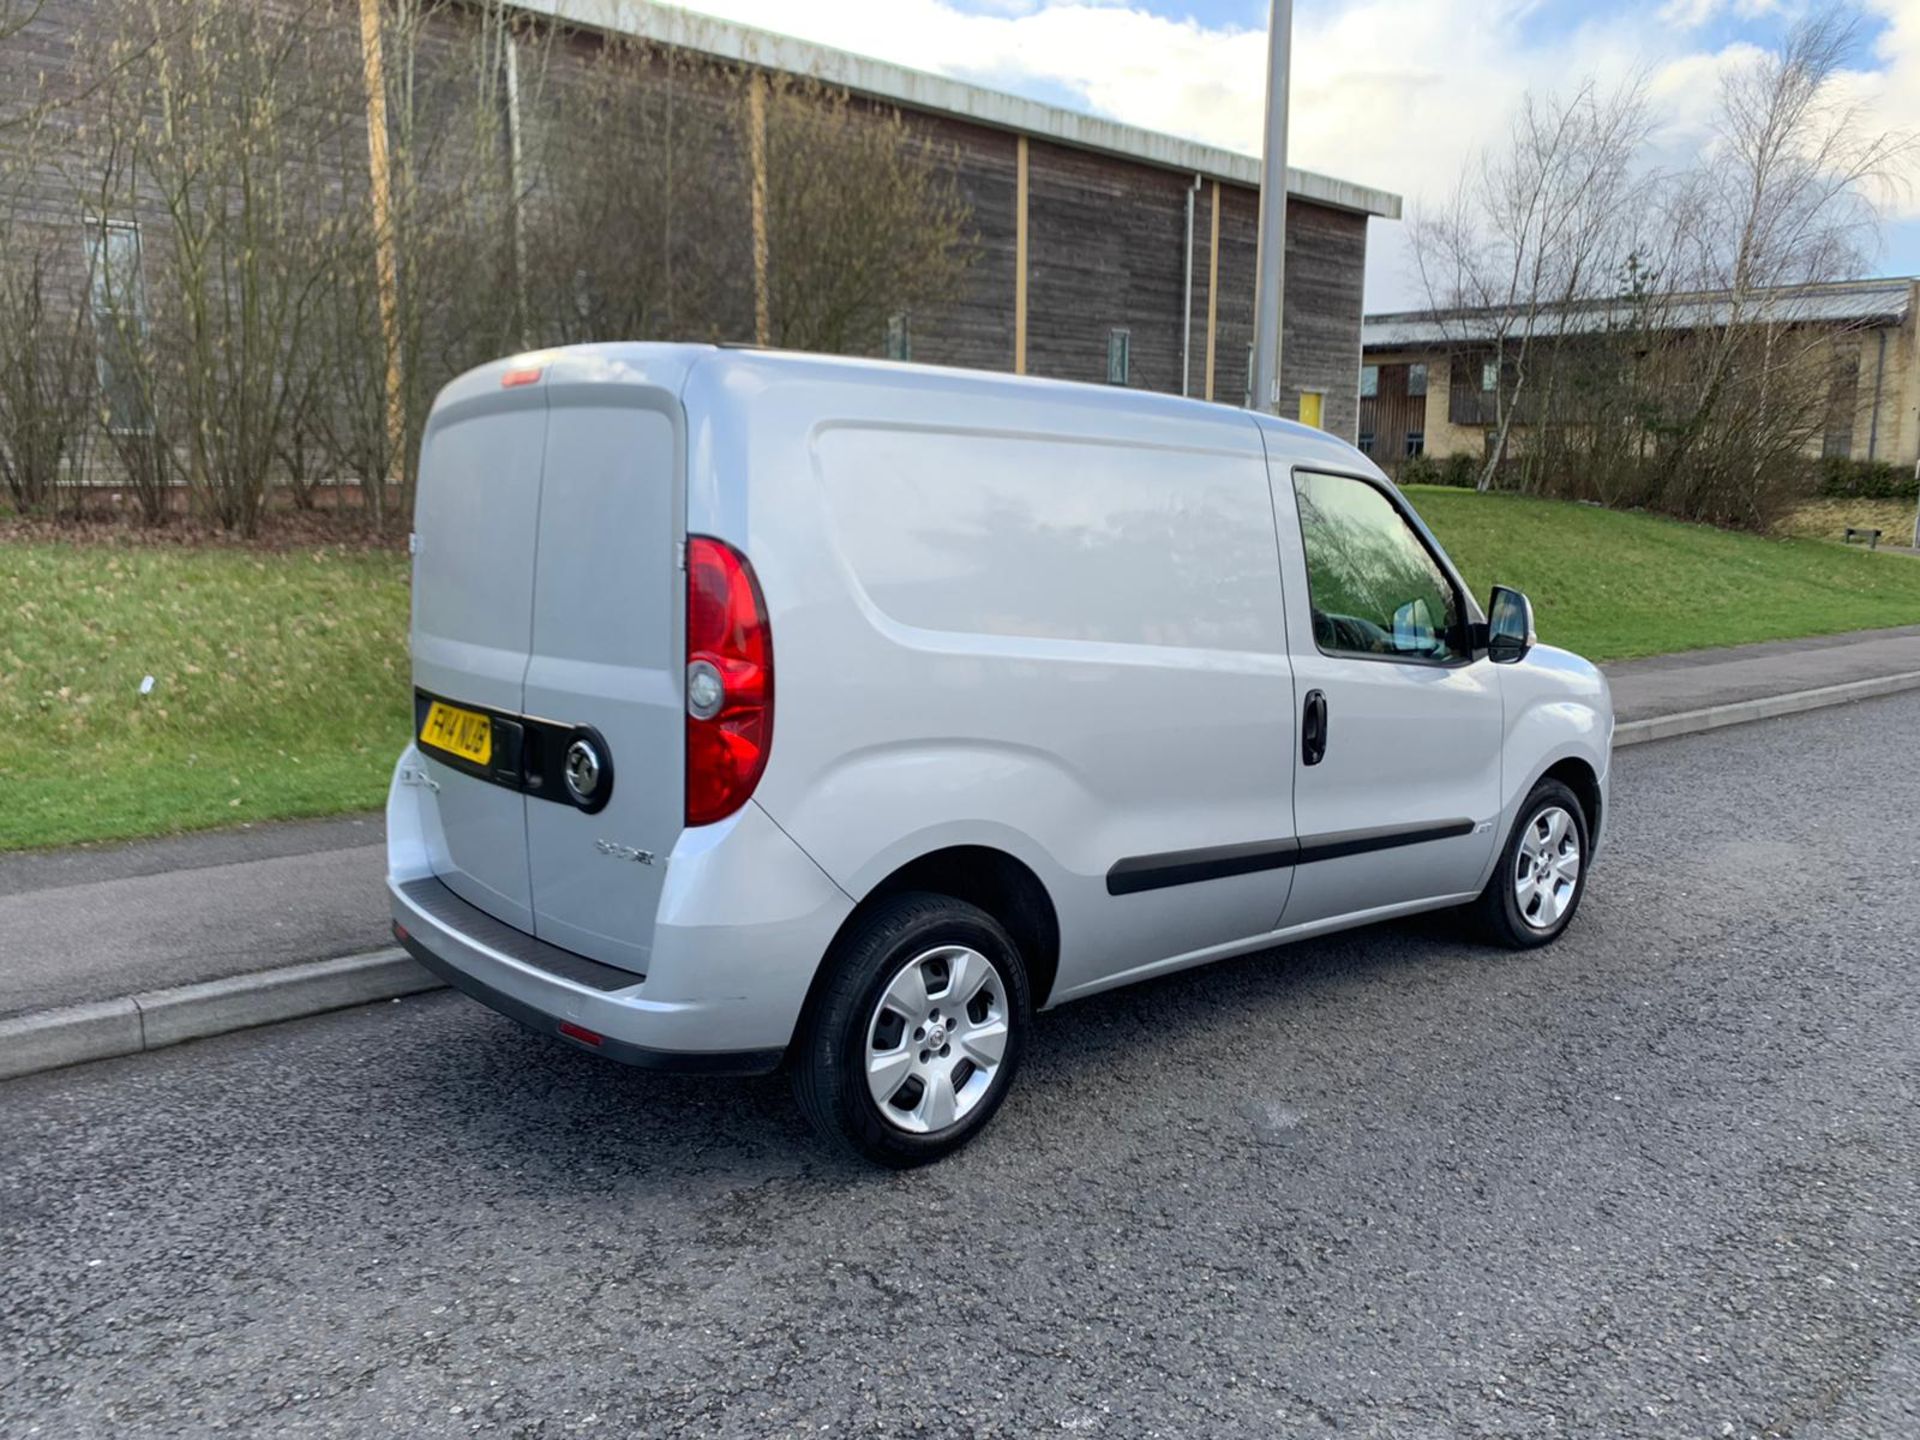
pixel 729 681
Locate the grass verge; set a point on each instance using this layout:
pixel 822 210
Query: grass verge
pixel 1828 520
pixel 280 679
pixel 280 687
pixel 1617 584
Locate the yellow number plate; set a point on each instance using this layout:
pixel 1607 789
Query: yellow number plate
pixel 458 732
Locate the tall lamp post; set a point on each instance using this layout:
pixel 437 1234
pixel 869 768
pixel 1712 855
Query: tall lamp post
pixel 1271 268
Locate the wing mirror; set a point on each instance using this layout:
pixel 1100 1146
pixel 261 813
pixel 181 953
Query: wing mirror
pixel 1509 625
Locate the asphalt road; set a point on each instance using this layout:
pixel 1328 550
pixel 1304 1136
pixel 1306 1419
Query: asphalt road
pixel 1663 1180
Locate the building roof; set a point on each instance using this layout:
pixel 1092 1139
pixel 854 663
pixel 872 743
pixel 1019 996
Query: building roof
pixel 917 90
pixel 1857 304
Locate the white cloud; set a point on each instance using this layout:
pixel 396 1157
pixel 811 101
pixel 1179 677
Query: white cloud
pixel 1692 14
pixel 1393 93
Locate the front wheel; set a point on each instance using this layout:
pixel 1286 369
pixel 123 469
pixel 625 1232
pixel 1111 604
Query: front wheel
pixel 910 1046
pixel 1542 872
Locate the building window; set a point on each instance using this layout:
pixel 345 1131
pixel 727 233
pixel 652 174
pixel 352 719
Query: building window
pixel 1119 356
pixel 1366 442
pixel 1416 379
pixel 1843 405
pixel 1369 381
pixel 1416 443
pixel 899 337
pixel 119 304
pixel 1489 376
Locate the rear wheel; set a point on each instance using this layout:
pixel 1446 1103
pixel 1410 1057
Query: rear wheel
pixel 1542 873
pixel 910 1046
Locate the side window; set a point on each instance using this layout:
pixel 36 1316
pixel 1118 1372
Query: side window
pixel 1376 589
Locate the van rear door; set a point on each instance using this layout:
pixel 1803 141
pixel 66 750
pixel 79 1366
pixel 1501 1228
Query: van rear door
pixel 474 523
pixel 607 649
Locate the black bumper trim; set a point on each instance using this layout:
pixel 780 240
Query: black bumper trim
pixel 685 1062
pixel 433 898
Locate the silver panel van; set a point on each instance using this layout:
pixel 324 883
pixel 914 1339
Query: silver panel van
pixel 789 710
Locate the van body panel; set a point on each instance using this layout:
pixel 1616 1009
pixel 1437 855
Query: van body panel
pixel 475 515
pixel 730 964
pixel 1555 706
pixel 1067 624
pixel 608 622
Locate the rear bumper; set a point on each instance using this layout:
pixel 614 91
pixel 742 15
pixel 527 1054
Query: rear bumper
pixel 518 977
pixel 744 919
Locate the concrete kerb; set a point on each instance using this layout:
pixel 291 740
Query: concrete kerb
pixel 49 1039
pixel 1767 707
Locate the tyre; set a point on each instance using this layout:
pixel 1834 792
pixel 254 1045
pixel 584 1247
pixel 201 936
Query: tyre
pixel 1542 871
pixel 912 1041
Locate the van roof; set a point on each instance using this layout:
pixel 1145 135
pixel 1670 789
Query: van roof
pixel 653 361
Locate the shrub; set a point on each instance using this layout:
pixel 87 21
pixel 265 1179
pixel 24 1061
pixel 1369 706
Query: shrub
pixel 1843 479
pixel 1459 471
pixel 1418 470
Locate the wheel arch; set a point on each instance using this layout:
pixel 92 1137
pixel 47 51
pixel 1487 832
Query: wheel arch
pixel 1579 776
pixel 1001 884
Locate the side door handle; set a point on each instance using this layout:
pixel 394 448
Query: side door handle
pixel 1313 729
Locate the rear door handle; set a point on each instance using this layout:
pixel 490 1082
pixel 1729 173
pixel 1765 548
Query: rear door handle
pixel 1313 729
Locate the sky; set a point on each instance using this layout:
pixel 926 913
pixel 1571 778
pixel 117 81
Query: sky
pixel 1397 94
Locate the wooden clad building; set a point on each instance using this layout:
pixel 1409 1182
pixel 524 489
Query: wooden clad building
pixel 1103 252
pixel 1098 212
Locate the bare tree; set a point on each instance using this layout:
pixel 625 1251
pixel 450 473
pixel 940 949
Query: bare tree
pixel 1785 198
pixel 128 407
pixel 636 154
pixel 1530 231
pixel 231 284
pixel 46 359
pixel 1649 335
pixel 223 115
pixel 46 374
pixel 451 212
pixel 863 218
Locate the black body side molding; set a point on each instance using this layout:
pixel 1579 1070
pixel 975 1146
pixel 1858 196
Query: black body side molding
pixel 1217 862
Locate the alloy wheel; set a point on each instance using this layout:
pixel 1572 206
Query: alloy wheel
pixel 1547 868
pixel 936 1039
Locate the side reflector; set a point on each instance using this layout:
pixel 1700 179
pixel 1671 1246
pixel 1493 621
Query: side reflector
pixel 399 931
pixel 527 376
pixel 580 1033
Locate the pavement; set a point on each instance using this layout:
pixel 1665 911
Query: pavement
pixel 1659 1180
pixel 1696 679
pixel 99 923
